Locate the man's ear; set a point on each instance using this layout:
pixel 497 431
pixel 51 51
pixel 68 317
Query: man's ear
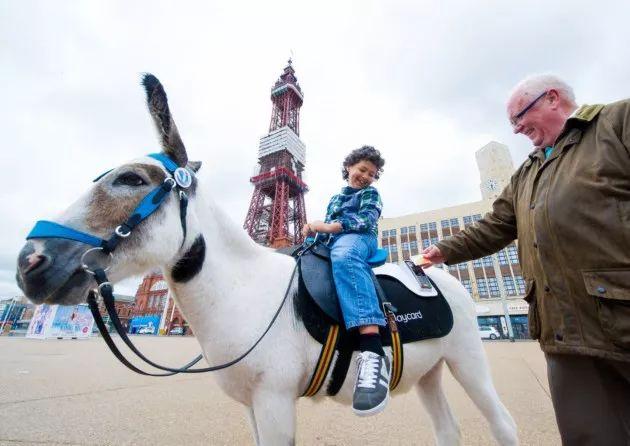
pixel 553 97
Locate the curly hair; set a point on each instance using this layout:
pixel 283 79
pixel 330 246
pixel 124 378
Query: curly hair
pixel 367 153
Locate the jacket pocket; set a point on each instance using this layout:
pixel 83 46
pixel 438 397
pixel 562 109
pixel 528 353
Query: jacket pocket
pixel 612 290
pixel 533 318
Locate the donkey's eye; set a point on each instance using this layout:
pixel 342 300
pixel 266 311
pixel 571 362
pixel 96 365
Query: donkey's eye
pixel 129 179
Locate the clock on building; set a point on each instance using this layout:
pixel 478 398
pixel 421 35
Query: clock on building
pixel 491 184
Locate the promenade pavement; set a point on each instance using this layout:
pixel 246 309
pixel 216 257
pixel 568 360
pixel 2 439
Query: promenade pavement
pixel 74 392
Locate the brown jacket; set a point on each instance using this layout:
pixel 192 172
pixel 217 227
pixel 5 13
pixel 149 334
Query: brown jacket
pixel 571 215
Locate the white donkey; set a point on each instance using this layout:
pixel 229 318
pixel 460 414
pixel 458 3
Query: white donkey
pixel 229 293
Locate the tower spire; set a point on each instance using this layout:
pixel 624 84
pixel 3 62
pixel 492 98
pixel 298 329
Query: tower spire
pixel 276 212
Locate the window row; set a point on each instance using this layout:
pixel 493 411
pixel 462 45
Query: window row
pixel 489 287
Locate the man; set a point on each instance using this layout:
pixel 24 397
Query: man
pixel 568 205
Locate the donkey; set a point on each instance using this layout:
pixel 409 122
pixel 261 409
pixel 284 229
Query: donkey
pixel 229 288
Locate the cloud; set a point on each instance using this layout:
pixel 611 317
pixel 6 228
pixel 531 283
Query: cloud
pixel 424 83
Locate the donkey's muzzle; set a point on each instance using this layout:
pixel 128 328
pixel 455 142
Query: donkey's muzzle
pixel 48 271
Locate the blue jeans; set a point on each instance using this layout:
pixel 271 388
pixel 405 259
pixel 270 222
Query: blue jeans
pixel 357 296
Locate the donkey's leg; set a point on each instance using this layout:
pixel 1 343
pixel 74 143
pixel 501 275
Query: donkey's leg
pixel 274 413
pixel 430 390
pixel 252 423
pixel 469 365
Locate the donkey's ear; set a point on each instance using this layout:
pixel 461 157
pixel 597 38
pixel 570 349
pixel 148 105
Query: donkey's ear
pixel 194 165
pixel 158 107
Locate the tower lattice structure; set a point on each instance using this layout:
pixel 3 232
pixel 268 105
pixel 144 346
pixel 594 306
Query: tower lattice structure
pixel 276 212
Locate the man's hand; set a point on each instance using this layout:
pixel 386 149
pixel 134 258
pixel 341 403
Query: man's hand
pixel 433 256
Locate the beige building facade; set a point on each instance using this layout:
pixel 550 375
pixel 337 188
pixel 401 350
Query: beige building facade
pixel 495 282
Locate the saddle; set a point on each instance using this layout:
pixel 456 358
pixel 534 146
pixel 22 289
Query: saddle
pixel 414 307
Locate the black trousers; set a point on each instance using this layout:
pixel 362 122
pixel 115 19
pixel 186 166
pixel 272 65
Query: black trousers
pixel 591 398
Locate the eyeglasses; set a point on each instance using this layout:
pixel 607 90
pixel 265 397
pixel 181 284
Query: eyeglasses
pixel 517 117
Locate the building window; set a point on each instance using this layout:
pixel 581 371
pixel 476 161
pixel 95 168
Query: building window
pixel 493 285
pixel 520 284
pixel 467 285
pixel 512 254
pixel 425 243
pixel 463 265
pixel 434 240
pixel 433 226
pixel 487 261
pixel 413 245
pixel 454 222
pixel 405 246
pixel 445 224
pixel 412 229
pixel 424 227
pixel 393 248
pixel 385 233
pixel 392 233
pixel 477 263
pixel 476 217
pixel 502 257
pixel 403 230
pixel 482 287
pixel 508 283
pixel 467 220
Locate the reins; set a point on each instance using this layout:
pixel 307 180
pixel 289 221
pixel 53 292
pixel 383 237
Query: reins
pixel 106 292
pixel 179 181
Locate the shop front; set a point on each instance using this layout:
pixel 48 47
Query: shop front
pixel 492 314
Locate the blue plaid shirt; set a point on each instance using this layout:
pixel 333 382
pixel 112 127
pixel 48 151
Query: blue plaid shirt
pixel 357 210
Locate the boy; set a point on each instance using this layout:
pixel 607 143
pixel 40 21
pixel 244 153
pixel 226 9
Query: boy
pixel 352 218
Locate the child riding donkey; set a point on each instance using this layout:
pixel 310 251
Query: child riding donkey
pixel 160 220
pixel 352 219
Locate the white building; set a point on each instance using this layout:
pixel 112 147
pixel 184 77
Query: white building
pixel 489 279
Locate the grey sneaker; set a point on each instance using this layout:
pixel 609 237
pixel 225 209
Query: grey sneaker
pixel 371 389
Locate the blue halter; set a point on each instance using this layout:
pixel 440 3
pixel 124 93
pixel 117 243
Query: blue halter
pixel 180 178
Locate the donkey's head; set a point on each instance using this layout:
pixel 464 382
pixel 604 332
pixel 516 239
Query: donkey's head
pixel 135 217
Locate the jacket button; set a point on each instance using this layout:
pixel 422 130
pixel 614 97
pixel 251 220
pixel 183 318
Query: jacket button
pixel 547 289
pixel 601 289
pixel 559 337
pixel 535 245
pixel 532 206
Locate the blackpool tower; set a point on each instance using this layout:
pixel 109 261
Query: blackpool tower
pixel 276 213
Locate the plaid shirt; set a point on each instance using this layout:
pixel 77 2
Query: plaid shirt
pixel 357 210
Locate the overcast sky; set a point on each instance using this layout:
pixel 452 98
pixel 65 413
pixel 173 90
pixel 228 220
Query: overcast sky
pixel 424 82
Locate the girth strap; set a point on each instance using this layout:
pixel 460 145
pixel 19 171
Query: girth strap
pixel 340 371
pixel 324 361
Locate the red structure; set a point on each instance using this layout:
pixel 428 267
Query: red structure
pixel 276 213
pixel 150 299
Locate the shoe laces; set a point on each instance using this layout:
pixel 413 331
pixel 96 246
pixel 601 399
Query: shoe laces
pixel 368 365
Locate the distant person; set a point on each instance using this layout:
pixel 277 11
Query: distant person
pixel 568 205
pixel 352 219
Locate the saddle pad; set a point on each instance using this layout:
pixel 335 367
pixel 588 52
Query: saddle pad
pixel 403 274
pixel 417 318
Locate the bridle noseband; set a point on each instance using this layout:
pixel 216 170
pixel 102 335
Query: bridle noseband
pixel 180 180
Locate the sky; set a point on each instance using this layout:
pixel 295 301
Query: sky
pixel 425 82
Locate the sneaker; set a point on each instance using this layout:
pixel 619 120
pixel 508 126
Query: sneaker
pixel 371 389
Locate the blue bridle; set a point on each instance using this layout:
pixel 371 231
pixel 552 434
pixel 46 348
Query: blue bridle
pixel 179 179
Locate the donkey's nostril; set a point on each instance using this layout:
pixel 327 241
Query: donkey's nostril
pixel 33 262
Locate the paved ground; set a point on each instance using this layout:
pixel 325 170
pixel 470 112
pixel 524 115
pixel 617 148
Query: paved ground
pixel 75 393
